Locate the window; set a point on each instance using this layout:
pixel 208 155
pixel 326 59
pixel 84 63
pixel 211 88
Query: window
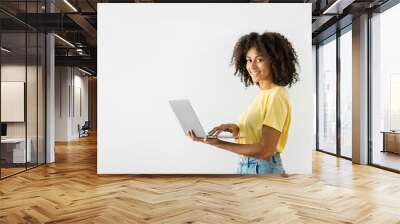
pixel 346 93
pixel 327 96
pixel 385 89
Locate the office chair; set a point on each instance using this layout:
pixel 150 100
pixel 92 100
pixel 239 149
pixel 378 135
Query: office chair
pixel 84 130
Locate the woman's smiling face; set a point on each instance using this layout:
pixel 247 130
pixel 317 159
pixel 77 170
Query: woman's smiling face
pixel 257 66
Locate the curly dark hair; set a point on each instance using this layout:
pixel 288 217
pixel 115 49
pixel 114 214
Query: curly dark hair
pixel 276 48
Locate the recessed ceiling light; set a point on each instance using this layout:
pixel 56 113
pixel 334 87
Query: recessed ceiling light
pixel 5 50
pixel 337 7
pixel 84 71
pixel 64 40
pixel 70 5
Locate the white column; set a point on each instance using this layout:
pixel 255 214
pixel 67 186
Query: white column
pixel 50 110
pixel 50 92
pixel 360 90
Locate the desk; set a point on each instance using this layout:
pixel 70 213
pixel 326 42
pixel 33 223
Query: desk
pixel 13 150
pixel 391 141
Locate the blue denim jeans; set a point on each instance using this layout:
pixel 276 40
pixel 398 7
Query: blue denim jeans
pixel 250 165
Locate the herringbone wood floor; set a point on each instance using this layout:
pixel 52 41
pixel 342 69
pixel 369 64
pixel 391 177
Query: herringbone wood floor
pixel 70 191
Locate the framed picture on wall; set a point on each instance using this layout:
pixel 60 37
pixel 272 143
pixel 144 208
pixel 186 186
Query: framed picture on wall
pixel 12 101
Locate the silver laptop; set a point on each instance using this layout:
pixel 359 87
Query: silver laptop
pixel 189 120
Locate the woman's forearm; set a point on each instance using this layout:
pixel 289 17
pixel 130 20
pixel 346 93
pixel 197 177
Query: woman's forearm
pixel 252 150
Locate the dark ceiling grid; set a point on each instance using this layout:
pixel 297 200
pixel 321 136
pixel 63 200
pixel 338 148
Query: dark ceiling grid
pixel 78 24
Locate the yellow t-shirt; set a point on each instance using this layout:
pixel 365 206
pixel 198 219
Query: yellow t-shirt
pixel 271 108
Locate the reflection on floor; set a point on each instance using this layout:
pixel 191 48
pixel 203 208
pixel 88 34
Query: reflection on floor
pixel 386 159
pixel 71 191
pixel 346 152
pixel 11 169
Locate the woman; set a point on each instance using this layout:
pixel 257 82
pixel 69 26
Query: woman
pixel 269 61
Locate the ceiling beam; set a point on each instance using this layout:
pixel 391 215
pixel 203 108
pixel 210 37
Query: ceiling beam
pixel 85 61
pixel 337 7
pixel 85 25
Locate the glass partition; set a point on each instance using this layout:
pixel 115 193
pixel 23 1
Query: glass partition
pixel 22 67
pixel 13 108
pixel 33 56
pixel 32 95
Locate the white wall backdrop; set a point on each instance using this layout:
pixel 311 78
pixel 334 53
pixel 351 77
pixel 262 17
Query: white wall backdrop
pixel 151 53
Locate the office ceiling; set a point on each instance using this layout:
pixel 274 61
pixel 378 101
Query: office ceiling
pixel 76 22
